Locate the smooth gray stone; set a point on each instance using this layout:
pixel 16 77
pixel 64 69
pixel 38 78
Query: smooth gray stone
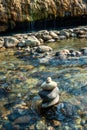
pixel 49 84
pixel 51 103
pixel 49 95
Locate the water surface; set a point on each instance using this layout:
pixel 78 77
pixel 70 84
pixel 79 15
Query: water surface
pixel 23 77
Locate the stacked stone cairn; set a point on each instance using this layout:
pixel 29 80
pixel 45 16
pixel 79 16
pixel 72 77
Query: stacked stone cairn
pixel 49 93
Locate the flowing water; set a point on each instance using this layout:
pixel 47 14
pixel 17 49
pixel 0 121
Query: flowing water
pixel 22 77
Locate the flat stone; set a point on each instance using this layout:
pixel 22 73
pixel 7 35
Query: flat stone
pixel 49 84
pixel 49 95
pixel 49 104
pixel 43 48
pixel 22 120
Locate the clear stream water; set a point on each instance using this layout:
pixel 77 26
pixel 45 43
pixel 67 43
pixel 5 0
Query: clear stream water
pixel 22 77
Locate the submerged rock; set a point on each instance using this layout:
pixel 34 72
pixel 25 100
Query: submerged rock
pixel 22 120
pixel 62 111
pixel 43 48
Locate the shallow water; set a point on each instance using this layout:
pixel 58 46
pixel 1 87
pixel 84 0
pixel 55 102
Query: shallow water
pixel 73 43
pixel 23 77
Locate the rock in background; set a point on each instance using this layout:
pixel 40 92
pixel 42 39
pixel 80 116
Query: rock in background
pixel 19 11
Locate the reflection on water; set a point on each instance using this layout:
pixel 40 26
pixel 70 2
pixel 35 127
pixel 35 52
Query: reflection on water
pixel 23 77
pixel 69 44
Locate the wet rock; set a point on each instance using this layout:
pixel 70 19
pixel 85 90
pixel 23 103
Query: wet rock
pixel 21 44
pixel 73 54
pixel 85 126
pixel 66 128
pixel 78 121
pixel 83 122
pixel 1 42
pixel 9 105
pixel 56 123
pixel 62 37
pixel 32 41
pixel 78 127
pixel 80 32
pixel 47 37
pixel 42 49
pixel 82 36
pixel 41 40
pixel 67 109
pixel 50 41
pixel 73 35
pixel 7 126
pixel 10 42
pixel 84 50
pixel 16 127
pixel 40 34
pixel 49 84
pixel 22 120
pixel 62 111
pixel 49 93
pixel 50 103
pixel 4 92
pixel 64 33
pixel 53 35
pixel 50 128
pixel 40 125
pixel 32 127
pixel 27 49
pixel 78 53
pixel 62 54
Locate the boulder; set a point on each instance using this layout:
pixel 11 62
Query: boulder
pixel 43 48
pixel 10 42
pixel 32 41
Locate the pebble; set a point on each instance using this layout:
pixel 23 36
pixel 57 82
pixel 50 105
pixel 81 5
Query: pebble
pixel 56 123
pixel 40 125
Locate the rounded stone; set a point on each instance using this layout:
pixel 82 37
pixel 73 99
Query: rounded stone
pixel 48 95
pixel 10 42
pixel 43 48
pixel 49 84
pixel 51 103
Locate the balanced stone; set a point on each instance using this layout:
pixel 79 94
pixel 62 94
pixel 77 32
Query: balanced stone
pixel 49 93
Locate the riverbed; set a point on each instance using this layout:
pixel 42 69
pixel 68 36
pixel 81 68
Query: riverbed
pixel 23 78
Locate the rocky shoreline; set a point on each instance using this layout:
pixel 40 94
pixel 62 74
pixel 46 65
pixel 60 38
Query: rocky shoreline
pixel 33 47
pixel 41 37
